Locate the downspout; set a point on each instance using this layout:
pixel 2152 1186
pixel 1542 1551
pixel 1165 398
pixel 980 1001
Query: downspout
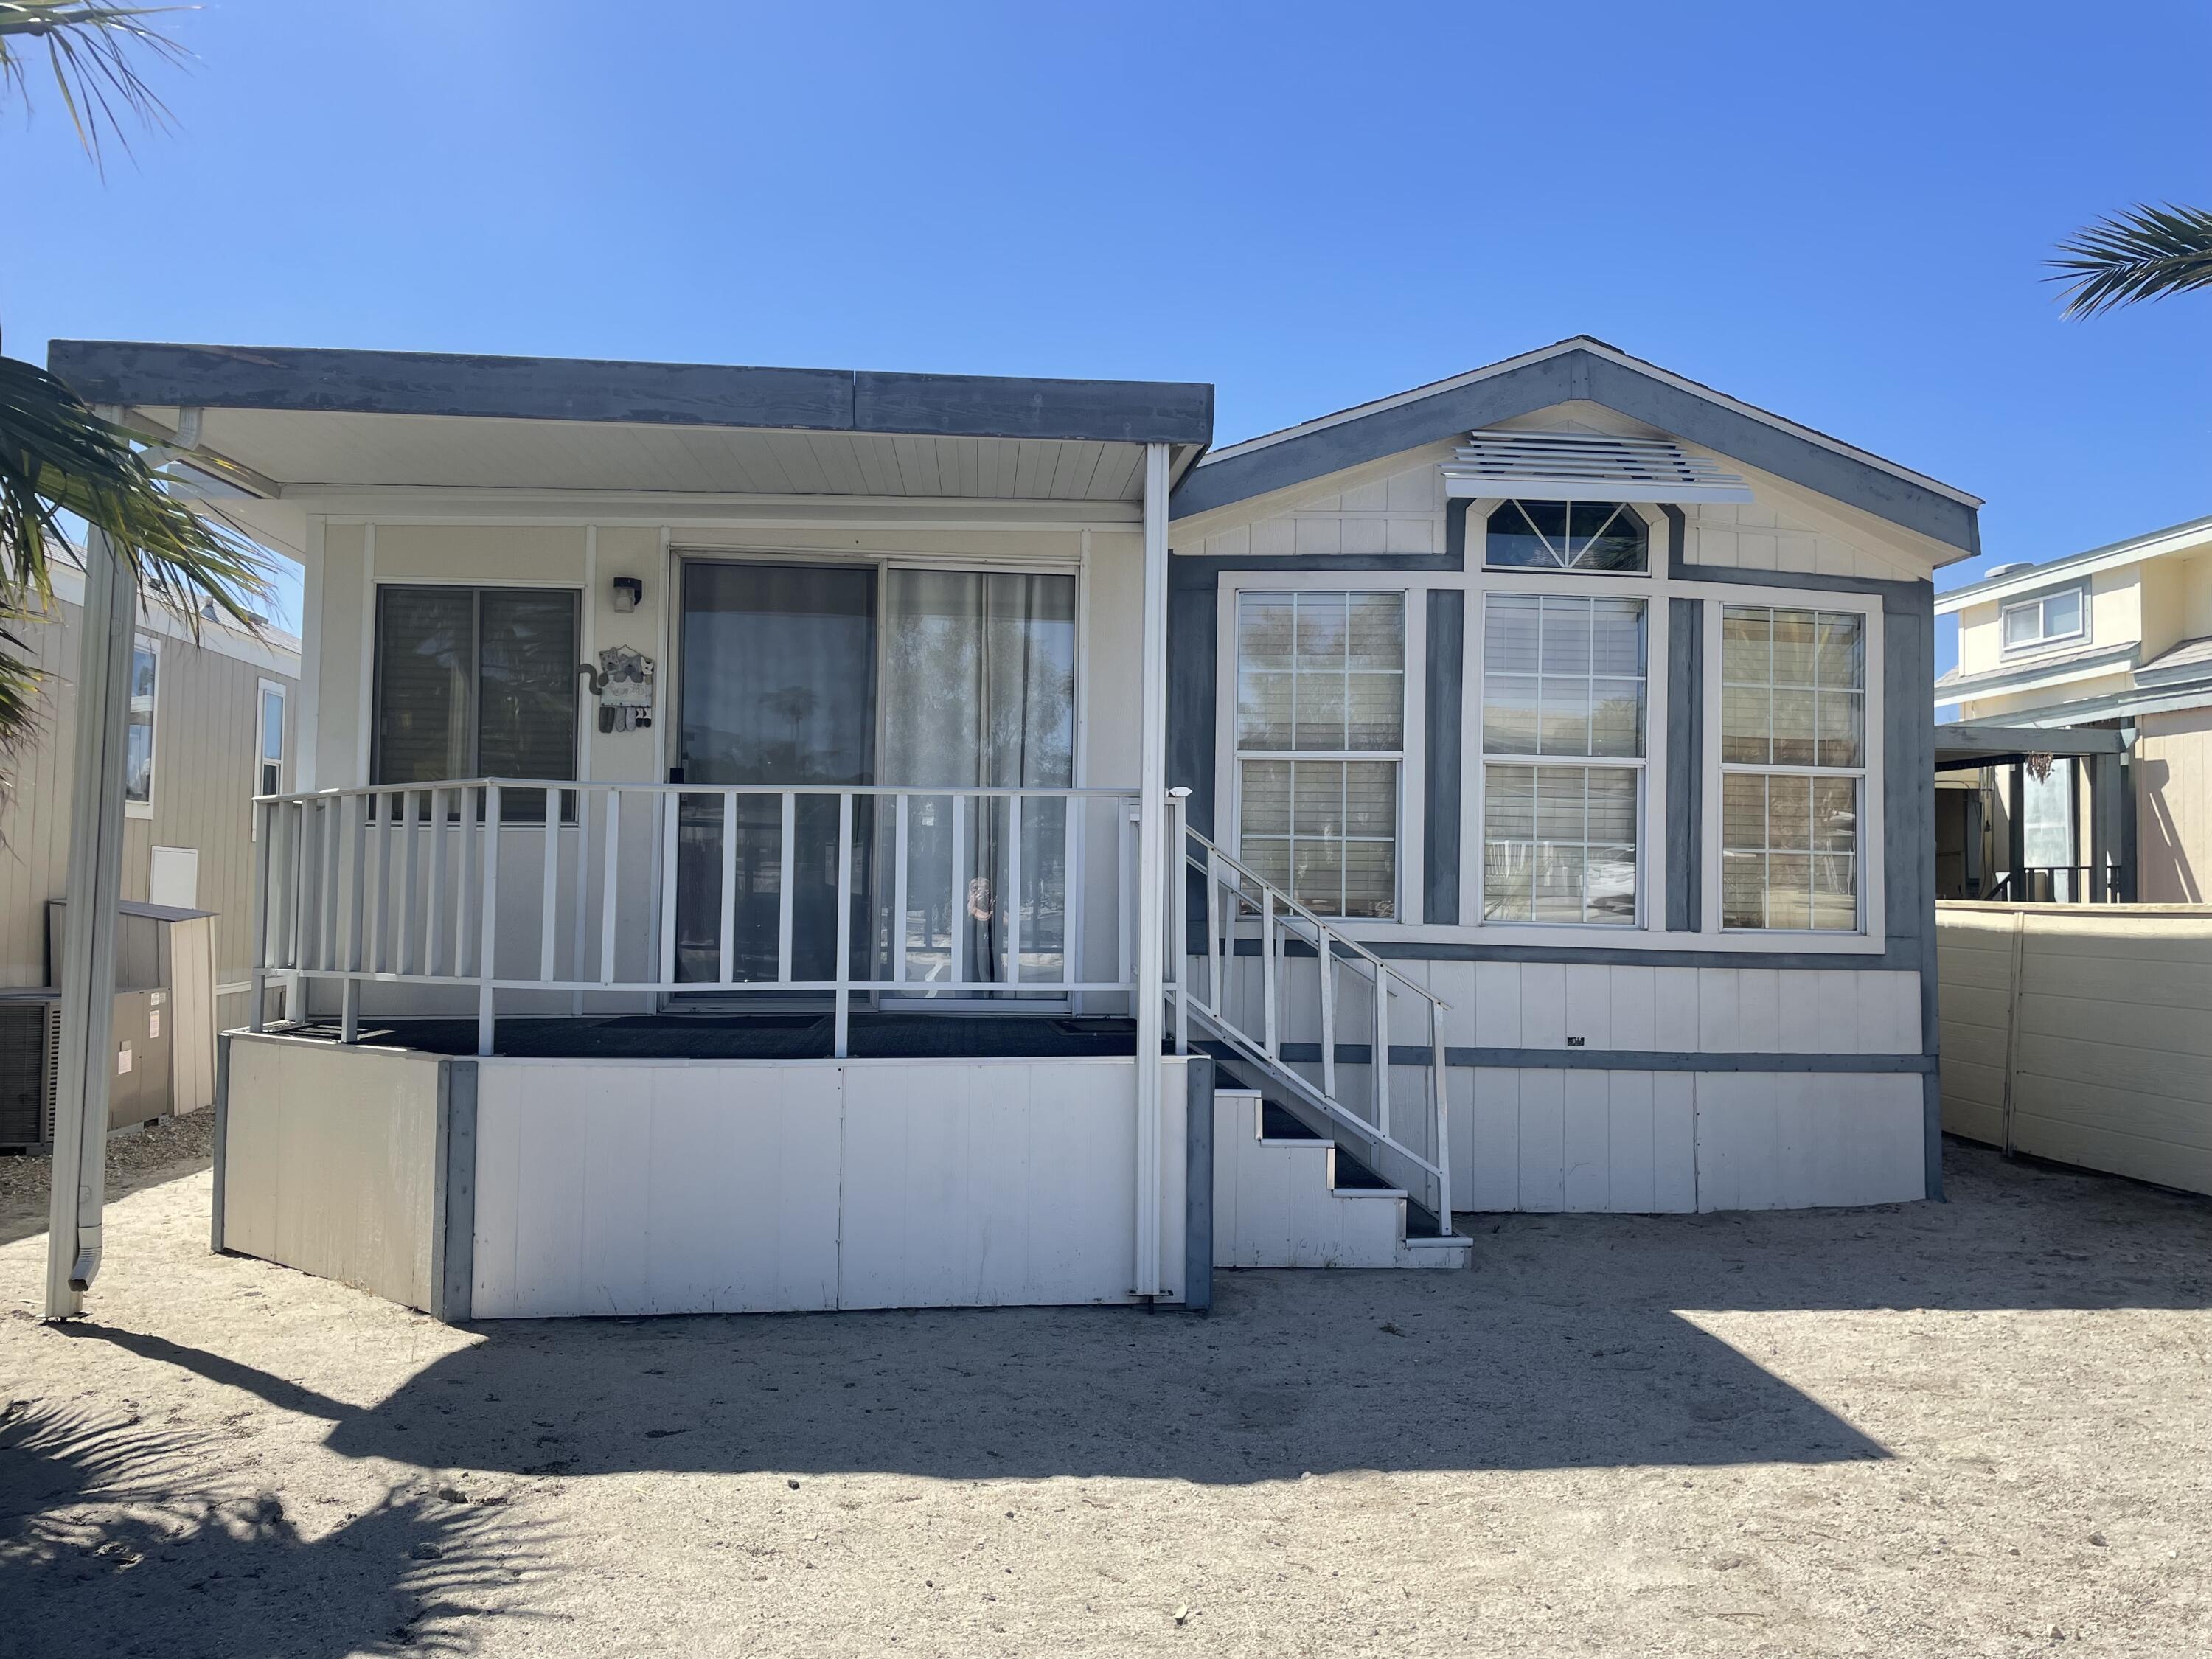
pixel 87 972
pixel 1151 864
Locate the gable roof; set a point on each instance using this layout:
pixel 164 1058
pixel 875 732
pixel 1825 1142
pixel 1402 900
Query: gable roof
pixel 2191 537
pixel 1582 369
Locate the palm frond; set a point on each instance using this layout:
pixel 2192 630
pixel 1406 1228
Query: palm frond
pixel 90 49
pixel 2145 253
pixel 58 457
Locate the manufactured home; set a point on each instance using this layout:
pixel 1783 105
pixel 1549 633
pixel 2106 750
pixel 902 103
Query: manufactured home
pixel 207 730
pixel 776 839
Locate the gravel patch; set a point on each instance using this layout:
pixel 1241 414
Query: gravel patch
pixel 1978 1428
pixel 162 1151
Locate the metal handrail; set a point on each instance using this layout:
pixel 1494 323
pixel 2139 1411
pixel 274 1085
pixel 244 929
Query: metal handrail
pixel 1198 853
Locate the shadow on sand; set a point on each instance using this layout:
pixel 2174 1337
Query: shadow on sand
pixel 115 1540
pixel 1573 1342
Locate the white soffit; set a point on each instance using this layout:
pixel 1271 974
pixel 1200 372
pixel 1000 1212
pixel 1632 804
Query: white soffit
pixel 1586 467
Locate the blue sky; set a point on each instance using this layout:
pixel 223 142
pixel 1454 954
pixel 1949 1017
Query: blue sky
pixel 1838 213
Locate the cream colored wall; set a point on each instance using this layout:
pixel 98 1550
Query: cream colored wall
pixel 2075 1033
pixel 1110 622
pixel 2173 807
pixel 1397 506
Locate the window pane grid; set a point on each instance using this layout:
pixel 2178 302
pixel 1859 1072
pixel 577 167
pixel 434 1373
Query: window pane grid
pixel 1563 683
pixel 1321 690
pixel 1793 753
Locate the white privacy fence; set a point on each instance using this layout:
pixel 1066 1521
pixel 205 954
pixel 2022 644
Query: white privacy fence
pixel 1328 1020
pixel 928 895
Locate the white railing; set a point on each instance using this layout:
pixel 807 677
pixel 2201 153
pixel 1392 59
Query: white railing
pixel 666 888
pixel 1406 1142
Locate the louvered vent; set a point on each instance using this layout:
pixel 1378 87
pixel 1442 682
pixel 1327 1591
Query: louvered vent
pixel 1587 466
pixel 30 1040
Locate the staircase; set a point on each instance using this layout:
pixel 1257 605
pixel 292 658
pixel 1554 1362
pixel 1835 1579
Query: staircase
pixel 1322 1156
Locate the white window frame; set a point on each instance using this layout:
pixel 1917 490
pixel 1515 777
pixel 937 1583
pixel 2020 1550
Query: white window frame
pixel 2044 641
pixel 262 692
pixel 1473 853
pixel 1642 514
pixel 1650 847
pixel 1870 935
pixel 151 644
pixel 1404 841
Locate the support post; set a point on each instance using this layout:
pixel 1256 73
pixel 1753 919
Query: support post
pixel 1151 873
pixel 87 971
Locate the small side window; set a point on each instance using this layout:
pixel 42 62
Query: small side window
pixel 138 730
pixel 2051 619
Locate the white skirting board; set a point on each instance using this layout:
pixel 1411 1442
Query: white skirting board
pixel 1641 1142
pixel 737 1187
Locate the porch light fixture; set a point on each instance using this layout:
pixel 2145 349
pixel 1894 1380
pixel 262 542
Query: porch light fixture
pixel 629 590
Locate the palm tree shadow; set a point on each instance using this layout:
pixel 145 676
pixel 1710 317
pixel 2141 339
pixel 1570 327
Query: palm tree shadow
pixel 117 1539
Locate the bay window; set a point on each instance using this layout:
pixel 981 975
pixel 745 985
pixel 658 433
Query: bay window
pixel 1321 734
pixel 1563 720
pixel 1793 766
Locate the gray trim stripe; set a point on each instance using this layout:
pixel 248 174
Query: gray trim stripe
pixel 454 1223
pixel 1686 790
pixel 1901 954
pixel 1604 1059
pixel 131 371
pixel 1445 760
pixel 1578 374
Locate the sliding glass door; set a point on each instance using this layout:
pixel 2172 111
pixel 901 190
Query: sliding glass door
pixel 979 691
pixel 778 687
pixel 838 676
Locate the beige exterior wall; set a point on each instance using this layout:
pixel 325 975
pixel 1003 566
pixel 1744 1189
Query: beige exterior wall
pixel 2174 808
pixel 206 737
pixel 2075 1034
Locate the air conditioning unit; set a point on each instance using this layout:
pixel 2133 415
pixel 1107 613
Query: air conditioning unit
pixel 30 1062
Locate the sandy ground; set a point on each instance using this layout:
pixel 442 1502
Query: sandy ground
pixel 1982 1427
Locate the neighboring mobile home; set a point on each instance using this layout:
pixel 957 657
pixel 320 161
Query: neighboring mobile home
pixel 2114 641
pixel 209 729
pixel 774 838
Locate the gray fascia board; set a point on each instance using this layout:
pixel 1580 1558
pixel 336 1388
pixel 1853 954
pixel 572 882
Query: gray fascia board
pixel 1568 377
pixel 991 406
pixel 1959 741
pixel 316 380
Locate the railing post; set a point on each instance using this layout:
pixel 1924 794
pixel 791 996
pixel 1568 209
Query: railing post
pixel 1267 972
pixel 1382 1050
pixel 898 888
pixel 488 939
pixel 727 957
pixel 610 884
pixel 1442 1140
pixel 844 920
pixel 1011 902
pixel 788 866
pixel 1178 961
pixel 1328 947
pixel 264 826
pixel 353 824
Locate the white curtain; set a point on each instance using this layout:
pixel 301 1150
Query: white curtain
pixel 979 691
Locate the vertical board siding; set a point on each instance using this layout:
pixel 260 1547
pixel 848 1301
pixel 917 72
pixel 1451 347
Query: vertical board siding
pixel 206 738
pixel 2091 1020
pixel 743 1187
pixel 1638 1142
pixel 331 1162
